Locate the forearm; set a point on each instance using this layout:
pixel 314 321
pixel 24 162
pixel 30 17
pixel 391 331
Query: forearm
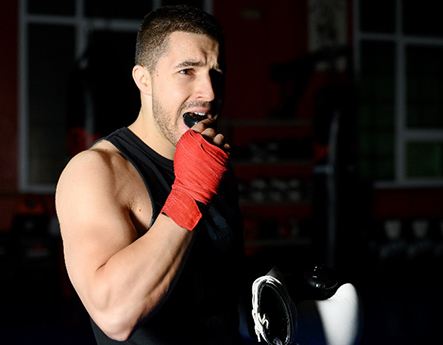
pixel 134 280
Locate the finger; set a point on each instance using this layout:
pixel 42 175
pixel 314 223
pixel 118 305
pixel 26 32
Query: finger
pixel 209 134
pixel 202 125
pixel 218 139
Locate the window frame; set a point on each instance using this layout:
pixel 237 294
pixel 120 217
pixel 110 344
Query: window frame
pixel 82 26
pixel 402 134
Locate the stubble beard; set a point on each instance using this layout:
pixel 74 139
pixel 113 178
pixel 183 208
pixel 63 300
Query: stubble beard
pixel 162 118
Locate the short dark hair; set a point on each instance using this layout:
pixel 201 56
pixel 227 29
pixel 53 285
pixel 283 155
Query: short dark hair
pixel 157 25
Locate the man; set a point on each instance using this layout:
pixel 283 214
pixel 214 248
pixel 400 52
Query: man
pixel 148 215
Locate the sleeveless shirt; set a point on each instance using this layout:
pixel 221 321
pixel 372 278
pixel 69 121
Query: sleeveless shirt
pixel 201 305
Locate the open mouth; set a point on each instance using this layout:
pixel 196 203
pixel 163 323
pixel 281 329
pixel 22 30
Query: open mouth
pixel 192 118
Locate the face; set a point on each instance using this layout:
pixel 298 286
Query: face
pixel 186 78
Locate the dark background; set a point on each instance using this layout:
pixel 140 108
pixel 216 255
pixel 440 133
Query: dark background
pixel 283 100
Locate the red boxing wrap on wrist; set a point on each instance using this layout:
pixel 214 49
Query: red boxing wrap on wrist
pixel 199 167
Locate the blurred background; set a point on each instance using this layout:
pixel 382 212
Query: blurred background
pixel 334 109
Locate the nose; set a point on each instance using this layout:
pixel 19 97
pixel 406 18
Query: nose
pixel 209 86
pixel 204 88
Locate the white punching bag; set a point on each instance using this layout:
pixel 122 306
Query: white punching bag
pixel 340 316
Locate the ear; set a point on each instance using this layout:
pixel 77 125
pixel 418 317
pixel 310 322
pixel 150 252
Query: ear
pixel 142 79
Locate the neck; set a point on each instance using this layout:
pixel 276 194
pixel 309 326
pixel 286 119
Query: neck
pixel 146 129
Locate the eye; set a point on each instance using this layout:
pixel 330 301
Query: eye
pixel 186 71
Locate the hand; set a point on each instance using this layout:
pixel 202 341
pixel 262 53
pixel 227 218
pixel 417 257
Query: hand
pixel 210 134
pixel 199 165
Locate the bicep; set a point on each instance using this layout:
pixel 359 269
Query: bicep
pixel 94 223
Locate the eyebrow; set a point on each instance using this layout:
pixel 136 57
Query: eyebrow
pixel 189 63
pixel 194 63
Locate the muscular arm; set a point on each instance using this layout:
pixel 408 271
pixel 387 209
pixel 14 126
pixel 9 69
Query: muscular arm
pixel 119 277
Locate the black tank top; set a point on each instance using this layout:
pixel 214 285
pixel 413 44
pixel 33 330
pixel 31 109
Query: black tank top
pixel 201 306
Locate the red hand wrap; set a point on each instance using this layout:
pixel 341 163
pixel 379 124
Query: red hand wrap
pixel 199 167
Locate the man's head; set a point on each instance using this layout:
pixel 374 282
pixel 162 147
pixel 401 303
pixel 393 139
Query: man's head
pixel 153 34
pixel 178 70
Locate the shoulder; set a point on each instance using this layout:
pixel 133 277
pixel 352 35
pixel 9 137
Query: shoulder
pixel 97 172
pixel 101 162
